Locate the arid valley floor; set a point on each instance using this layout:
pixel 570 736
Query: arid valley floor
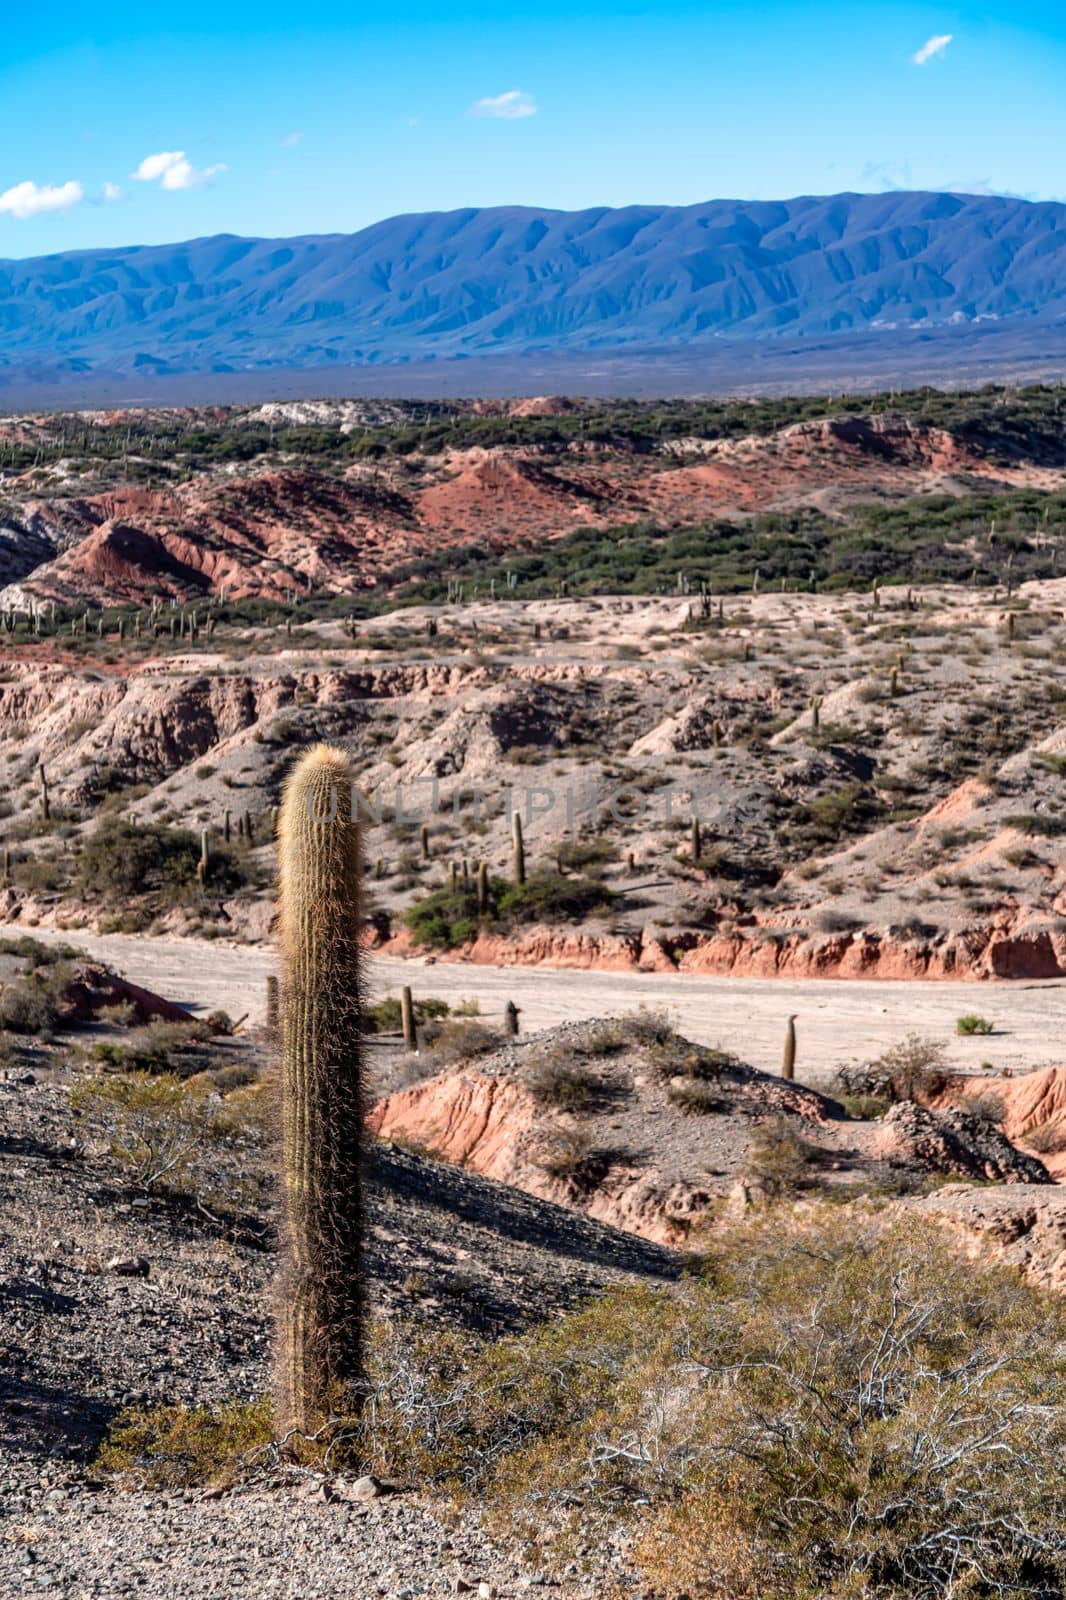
pixel 777 693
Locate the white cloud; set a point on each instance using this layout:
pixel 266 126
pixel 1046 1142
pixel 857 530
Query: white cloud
pixel 32 199
pixel 172 170
pixel 111 193
pixel 291 140
pixel 932 48
pixel 510 106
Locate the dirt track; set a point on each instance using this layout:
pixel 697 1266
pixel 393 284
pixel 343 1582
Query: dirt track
pixel 836 1021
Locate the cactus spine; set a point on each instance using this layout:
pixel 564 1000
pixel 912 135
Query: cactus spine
pixel 321 1316
pixel 788 1065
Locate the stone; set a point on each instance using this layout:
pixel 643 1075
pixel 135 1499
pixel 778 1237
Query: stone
pixel 129 1266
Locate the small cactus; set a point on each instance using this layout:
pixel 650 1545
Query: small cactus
pixel 407 1019
pixel 273 1009
pixel 788 1065
pixel 518 849
pixel 510 1019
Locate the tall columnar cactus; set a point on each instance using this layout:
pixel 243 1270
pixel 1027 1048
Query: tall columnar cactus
pixel 518 849
pixel 788 1065
pixel 696 840
pixel 321 1312
pixel 482 889
pixel 46 804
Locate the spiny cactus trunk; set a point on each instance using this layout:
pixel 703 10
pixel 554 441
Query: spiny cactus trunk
pixel 321 1311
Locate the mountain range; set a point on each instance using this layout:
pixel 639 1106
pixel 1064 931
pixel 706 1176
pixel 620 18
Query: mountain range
pixel 838 272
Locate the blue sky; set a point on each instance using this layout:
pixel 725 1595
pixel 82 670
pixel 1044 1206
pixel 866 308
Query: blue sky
pixel 317 117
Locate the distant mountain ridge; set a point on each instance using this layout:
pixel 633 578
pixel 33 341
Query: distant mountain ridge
pixel 513 280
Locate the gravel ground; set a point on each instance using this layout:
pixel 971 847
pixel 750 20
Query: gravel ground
pixel 839 1021
pixel 81 1336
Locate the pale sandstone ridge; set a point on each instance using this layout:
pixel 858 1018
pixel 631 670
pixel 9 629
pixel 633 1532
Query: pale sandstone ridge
pixel 1025 1228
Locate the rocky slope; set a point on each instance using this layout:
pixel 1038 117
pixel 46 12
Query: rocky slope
pixel 282 524
pixel 915 832
pixel 639 1128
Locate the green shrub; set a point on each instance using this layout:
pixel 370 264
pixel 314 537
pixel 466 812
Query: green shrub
pixel 119 860
pixel 970 1025
pixel 549 897
pixel 858 1413
pixel 556 1081
pixel 178 1446
pixel 384 1015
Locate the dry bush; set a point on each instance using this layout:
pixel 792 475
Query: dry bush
pixel 1047 1138
pixel 854 1414
pixel 556 1080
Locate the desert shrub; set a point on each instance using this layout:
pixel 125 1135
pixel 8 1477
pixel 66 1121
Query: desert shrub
pixel 170 1132
pixel 119 860
pixel 695 1098
pixel 556 1080
pixel 448 916
pixel 833 1412
pixel 384 1016
pixel 677 1058
pixel 154 1122
pixel 570 1154
pixel 863 1107
pixel 585 855
pixel 33 1004
pixel 123 1014
pixel 1047 1138
pixel 549 897
pixel 916 1068
pixel 781 1161
pixel 1045 825
pixel 37 954
pixel 647 1026
pixel 157 1047
pixel 177 1446
pixel 970 1025
pixel 460 1039
pixel 986 1107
